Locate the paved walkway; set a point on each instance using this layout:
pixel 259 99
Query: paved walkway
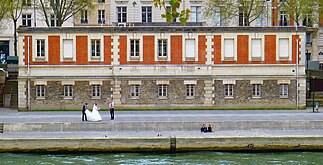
pixel 9 115
pixel 13 116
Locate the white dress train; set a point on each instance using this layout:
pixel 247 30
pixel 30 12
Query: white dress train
pixel 95 113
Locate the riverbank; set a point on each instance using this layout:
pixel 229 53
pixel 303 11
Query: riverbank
pixel 162 131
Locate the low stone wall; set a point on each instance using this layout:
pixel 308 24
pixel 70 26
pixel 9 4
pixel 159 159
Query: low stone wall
pixel 161 144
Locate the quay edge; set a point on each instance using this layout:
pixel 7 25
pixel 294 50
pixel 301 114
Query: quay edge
pixel 163 144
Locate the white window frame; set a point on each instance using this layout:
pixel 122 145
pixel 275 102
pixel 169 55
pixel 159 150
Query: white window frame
pixel 256 90
pixel 228 91
pixel 196 14
pixel 53 20
pixel 282 18
pixel 68 51
pixel 162 48
pixel 256 55
pixel 134 91
pixel 190 91
pixel 122 14
pixel 68 91
pixel 242 21
pixel 190 51
pixel 84 16
pixel 162 91
pixel 40 48
pixel 95 48
pixel 26 20
pixel 146 16
pixel 283 90
pixel 134 48
pixel 101 16
pixel 40 91
pixel 96 91
pixel 226 47
pixel 284 51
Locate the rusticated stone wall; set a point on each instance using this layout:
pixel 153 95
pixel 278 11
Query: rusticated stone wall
pixel 242 95
pixel 148 93
pixel 82 92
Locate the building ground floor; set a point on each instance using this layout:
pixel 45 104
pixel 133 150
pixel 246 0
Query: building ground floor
pixel 162 93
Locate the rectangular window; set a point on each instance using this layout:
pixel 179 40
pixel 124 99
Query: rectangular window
pixel 53 20
pixel 101 16
pixel 40 48
pixel 40 91
pixel 283 47
pixel 307 21
pixel 26 2
pixel 68 49
pixel 283 90
pixel 95 48
pixel 242 17
pixel 228 49
pixel 217 17
pixel 190 49
pixel 146 14
pixel 321 66
pixel 162 90
pixel 68 90
pixel 190 90
pixel 122 14
pixel 134 90
pixel 96 91
pixel 228 91
pixel 256 48
pixel 196 14
pixel 308 38
pixel 256 90
pixel 162 48
pixel 84 17
pixel 283 19
pixel 26 20
pixel 134 48
pixel 169 9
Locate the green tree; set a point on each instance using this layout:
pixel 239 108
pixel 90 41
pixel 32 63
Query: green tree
pixel 4 9
pixel 15 10
pixel 246 10
pixel 303 12
pixel 172 13
pixel 62 10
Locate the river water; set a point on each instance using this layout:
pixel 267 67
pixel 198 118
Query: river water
pixel 188 158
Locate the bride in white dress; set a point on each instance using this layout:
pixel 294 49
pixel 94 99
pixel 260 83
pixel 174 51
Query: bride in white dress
pixel 95 113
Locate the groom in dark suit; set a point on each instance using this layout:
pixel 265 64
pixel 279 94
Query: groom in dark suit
pixel 83 112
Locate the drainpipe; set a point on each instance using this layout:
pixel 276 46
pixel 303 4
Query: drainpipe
pixel 28 74
pixel 297 58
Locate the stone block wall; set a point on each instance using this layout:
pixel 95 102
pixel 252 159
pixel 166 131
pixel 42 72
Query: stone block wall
pixel 148 93
pixel 82 92
pixel 242 95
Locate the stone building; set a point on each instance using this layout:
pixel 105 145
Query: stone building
pixel 162 67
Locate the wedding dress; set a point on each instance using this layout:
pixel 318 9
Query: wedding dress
pixel 89 115
pixel 95 113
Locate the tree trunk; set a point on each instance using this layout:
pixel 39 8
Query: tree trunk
pixel 15 36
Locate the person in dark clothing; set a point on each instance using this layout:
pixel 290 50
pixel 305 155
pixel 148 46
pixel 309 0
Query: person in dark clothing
pixel 203 128
pixel 111 106
pixel 83 112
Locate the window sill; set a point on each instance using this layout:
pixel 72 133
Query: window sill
pixel 95 58
pixel 96 98
pixel 162 58
pixel 256 97
pixel 190 59
pixel 134 58
pixel 228 97
pixel 134 98
pixel 68 59
pixel 40 98
pixel 256 58
pixel 228 59
pixel 283 97
pixel 162 97
pixel 68 98
pixel 283 58
pixel 40 59
pixel 190 97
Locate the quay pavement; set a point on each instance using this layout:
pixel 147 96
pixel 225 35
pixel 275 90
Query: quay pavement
pixel 161 130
